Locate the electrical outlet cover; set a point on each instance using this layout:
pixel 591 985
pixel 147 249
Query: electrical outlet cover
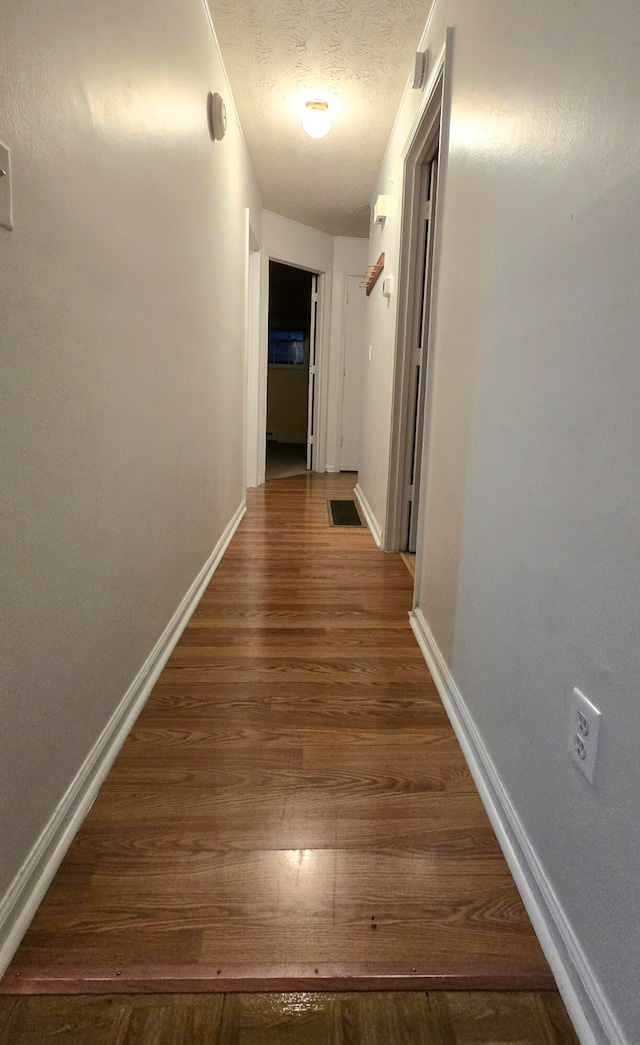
pixel 584 734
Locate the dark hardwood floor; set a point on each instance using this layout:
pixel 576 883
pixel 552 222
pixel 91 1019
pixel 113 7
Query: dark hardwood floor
pixel 292 809
pixel 399 1018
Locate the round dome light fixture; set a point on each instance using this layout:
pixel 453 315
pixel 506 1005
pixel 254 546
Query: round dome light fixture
pixel 317 120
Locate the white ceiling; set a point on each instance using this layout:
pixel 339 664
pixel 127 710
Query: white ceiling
pixel 360 52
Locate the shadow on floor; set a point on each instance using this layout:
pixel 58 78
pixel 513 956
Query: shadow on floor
pixel 285 459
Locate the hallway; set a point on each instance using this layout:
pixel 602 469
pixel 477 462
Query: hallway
pixel 292 807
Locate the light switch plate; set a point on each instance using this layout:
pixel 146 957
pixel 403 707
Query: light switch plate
pixel 6 202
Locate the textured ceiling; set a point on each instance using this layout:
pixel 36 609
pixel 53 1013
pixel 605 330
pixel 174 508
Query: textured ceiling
pixel 358 51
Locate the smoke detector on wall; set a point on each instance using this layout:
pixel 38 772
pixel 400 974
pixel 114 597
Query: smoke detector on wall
pixel 217 116
pixel 420 68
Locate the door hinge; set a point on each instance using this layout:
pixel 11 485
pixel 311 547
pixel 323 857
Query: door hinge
pixel 314 296
pixel 311 439
pixel 427 210
pixel 312 368
pixel 411 494
pixel 418 357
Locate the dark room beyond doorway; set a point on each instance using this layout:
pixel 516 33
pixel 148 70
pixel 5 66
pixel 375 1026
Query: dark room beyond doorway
pixel 290 292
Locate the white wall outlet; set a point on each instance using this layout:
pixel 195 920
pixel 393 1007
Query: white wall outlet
pixel 584 732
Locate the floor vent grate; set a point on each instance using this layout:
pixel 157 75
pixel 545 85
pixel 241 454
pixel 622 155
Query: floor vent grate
pixel 344 513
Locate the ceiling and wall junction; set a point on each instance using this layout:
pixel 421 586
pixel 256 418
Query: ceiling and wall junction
pixel 358 52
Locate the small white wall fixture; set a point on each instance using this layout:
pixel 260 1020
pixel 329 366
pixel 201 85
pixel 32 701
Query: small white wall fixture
pixel 420 69
pixel 381 210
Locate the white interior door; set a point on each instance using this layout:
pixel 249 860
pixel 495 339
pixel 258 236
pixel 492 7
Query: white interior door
pixel 354 350
pixel 311 406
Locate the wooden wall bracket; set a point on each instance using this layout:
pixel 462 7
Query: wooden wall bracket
pixel 372 274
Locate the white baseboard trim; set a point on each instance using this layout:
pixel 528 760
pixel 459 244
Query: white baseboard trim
pixel 24 895
pixel 588 1008
pixel 370 518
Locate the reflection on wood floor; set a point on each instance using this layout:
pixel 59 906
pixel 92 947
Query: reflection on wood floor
pixel 292 802
pixel 288 1019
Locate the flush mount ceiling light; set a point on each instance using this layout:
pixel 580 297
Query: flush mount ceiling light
pixel 316 119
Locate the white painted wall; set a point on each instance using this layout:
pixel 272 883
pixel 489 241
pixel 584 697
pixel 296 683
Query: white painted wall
pixel 295 244
pixel 530 574
pixel 335 258
pixel 355 353
pixel 373 476
pixel 122 397
pixel 349 259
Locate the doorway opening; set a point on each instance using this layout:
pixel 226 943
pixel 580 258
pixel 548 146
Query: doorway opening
pixel 291 370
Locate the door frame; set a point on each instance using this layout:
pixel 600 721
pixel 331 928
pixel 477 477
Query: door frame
pixel 312 379
pixel 252 351
pixel 259 371
pixel 416 418
pixel 430 129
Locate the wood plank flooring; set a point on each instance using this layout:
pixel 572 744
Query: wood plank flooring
pixel 398 1018
pixel 292 809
